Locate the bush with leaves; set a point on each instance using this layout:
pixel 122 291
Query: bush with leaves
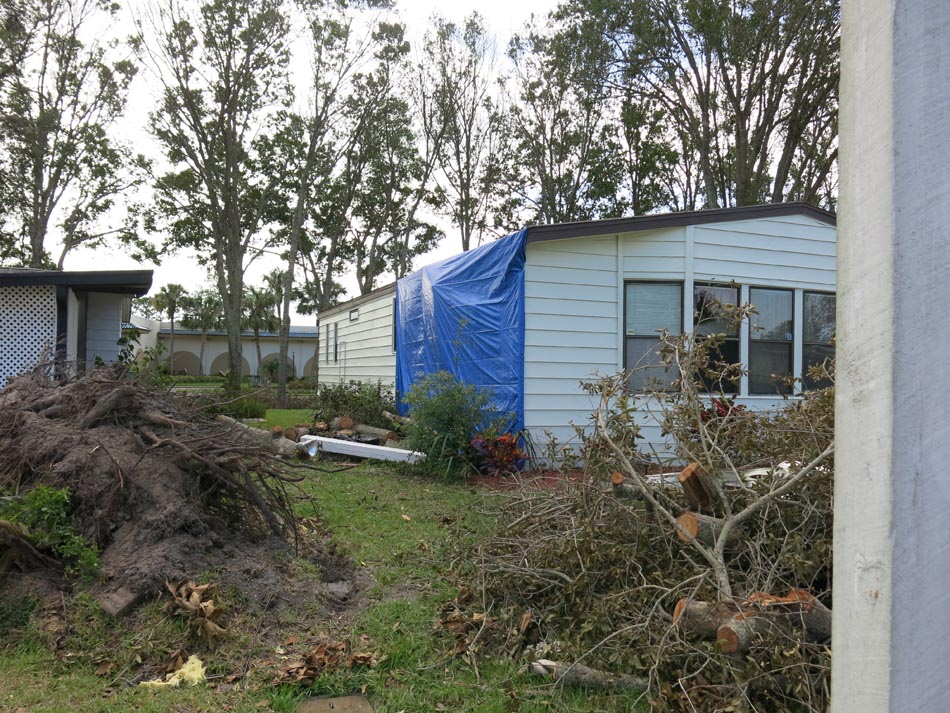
pixel 363 401
pixel 446 413
pixel 46 513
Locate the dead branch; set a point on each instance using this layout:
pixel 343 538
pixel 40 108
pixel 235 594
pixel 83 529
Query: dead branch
pixel 579 675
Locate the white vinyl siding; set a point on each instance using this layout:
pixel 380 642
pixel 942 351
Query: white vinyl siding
pixel 574 301
pixel 363 346
pixel 791 251
pixel 571 323
pixel 103 326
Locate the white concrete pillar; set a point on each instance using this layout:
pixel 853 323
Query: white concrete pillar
pixel 892 485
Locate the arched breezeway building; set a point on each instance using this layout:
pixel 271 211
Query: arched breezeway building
pixel 190 359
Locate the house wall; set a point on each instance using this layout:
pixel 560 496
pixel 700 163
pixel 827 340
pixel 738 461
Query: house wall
pixel 364 346
pixel 103 326
pixel 72 326
pixel 27 327
pixel 188 349
pixel 574 293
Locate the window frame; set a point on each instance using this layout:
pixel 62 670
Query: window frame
pixel 656 337
pixel 777 392
pixel 737 338
pixel 805 386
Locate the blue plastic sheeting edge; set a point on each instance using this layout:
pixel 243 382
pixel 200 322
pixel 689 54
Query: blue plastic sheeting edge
pixel 465 315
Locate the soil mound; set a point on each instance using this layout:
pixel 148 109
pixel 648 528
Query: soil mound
pixel 164 491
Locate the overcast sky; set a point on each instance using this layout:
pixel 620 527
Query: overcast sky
pixel 503 17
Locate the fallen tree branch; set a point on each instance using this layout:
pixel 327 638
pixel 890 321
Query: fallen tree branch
pixel 579 675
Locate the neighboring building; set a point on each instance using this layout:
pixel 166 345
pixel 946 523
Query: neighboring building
pixel 359 339
pixel 74 317
pixel 588 298
pixel 188 355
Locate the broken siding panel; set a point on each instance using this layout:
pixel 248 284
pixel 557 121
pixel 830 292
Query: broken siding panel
pixel 364 345
pixel 571 323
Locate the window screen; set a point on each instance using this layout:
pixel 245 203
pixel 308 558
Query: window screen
pixel 648 308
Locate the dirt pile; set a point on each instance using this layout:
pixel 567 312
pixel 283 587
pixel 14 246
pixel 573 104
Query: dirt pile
pixel 164 492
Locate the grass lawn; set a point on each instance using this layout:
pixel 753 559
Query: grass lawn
pixel 285 417
pixel 400 531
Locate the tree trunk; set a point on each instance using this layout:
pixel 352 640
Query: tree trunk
pixel 702 620
pixel 257 345
pixel 739 632
pixel 232 316
pixel 698 492
pixel 703 528
pixel 201 353
pixel 171 350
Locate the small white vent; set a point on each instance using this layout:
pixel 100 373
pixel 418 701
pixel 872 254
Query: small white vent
pixel 27 327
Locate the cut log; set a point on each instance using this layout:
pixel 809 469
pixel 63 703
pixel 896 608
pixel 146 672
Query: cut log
pixel 290 434
pixel 704 529
pixel 740 631
pixel 396 417
pixel 623 490
pixel 698 492
pixel 381 433
pixel 800 608
pixel 701 620
pixel 580 675
pixel 816 618
pixel 301 431
pixel 340 423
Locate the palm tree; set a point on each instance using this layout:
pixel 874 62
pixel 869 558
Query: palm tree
pixel 259 317
pixel 203 311
pixel 167 302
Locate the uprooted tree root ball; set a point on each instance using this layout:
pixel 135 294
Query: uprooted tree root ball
pixel 164 491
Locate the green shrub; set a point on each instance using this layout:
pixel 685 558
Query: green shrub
pixel 445 415
pixel 363 401
pixel 46 513
pixel 207 379
pixel 252 405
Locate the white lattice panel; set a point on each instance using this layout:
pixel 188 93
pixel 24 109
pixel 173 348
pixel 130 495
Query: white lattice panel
pixel 27 327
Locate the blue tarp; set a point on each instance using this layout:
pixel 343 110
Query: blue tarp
pixel 465 315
